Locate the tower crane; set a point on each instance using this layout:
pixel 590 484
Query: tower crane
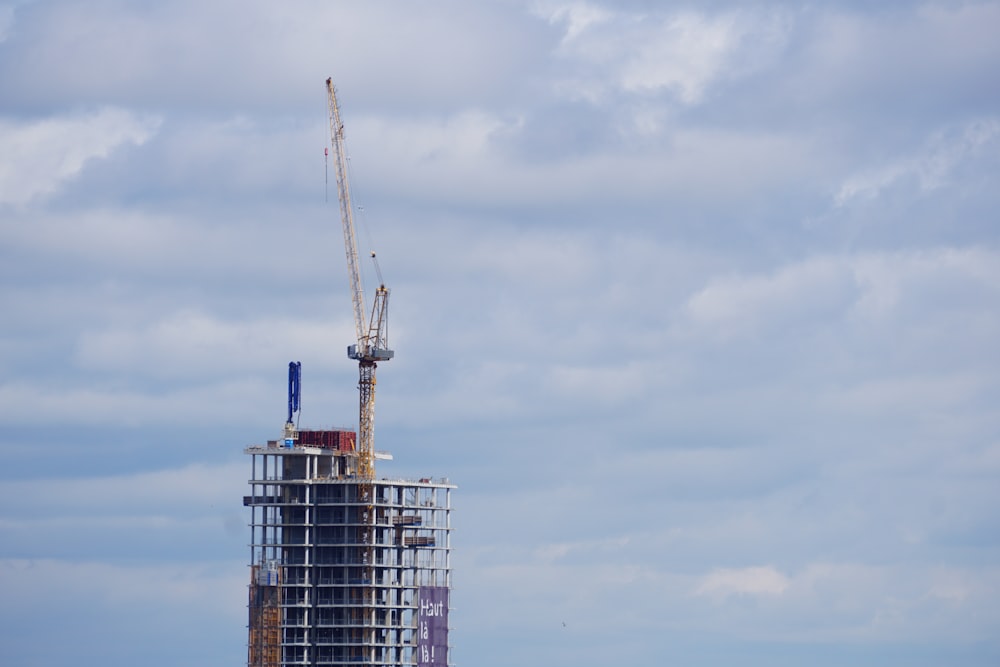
pixel 372 344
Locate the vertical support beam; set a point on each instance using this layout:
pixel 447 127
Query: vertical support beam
pixel 366 419
pixel 366 473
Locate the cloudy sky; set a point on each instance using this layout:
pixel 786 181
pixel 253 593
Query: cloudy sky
pixel 698 303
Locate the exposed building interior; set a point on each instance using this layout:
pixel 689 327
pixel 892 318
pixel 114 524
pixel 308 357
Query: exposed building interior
pixel 343 567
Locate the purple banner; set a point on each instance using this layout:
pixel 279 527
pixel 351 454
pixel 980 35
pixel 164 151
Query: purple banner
pixel 432 627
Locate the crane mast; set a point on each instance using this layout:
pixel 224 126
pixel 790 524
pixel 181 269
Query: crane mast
pixel 372 343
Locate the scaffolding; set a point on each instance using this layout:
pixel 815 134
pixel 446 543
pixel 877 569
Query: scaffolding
pixel 265 615
pixel 363 566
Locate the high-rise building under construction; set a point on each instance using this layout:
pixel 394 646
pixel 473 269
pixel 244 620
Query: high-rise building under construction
pixel 345 571
pixel 346 568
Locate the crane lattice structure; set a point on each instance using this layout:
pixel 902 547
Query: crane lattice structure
pixel 372 337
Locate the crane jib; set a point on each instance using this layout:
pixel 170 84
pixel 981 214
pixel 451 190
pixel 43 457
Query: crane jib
pixel 346 215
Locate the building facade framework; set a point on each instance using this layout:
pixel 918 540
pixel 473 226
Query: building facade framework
pixel 345 571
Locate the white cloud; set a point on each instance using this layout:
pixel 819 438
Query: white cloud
pixel 227 401
pixel 612 385
pixel 815 601
pixel 194 487
pixel 735 306
pixel 922 397
pixel 744 581
pixel 578 16
pixel 850 602
pixel 865 287
pixel 114 612
pixel 476 159
pixel 151 516
pixel 557 551
pixel 683 53
pixel 194 345
pixel 40 582
pixel 231 56
pixel 36 157
pixel 463 138
pixel 932 167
